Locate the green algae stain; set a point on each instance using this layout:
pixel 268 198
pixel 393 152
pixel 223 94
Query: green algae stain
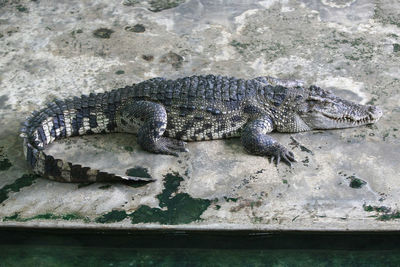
pixel 112 216
pixel 14 217
pixel 231 199
pixel 103 33
pixel 104 187
pixel 181 208
pixel 74 33
pixel 160 5
pixel 5 164
pixel 138 28
pixel 47 216
pixel 389 216
pixel 24 181
pixel 22 8
pixel 396 48
pixel 370 208
pixel 128 148
pixel 138 172
pixel 130 2
pixel 384 213
pixel 386 15
pixel 85 184
pixel 296 144
pixel 355 182
pixel 171 183
pixel 74 217
pixel 240 47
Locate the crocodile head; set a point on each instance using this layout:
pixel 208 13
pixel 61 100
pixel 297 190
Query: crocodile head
pixel 320 109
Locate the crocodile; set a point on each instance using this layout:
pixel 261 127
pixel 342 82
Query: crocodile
pixel 165 114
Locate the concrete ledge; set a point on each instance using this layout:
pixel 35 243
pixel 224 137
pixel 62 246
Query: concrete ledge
pixel 345 180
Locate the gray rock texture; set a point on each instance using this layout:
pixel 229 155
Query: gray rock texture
pixel 344 180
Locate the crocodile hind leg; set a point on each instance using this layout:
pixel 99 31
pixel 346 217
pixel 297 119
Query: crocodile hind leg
pixel 256 141
pixel 149 121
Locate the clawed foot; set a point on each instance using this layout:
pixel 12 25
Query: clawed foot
pixel 278 152
pixel 171 146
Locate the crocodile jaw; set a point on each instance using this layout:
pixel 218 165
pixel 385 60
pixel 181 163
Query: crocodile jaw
pixel 355 115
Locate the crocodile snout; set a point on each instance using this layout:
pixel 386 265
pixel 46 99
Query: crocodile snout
pixel 375 112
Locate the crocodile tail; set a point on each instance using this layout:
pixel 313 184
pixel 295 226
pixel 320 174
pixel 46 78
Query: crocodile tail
pixel 72 117
pixel 64 171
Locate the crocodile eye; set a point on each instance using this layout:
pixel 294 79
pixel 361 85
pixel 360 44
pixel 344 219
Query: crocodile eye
pixel 298 97
pixel 312 103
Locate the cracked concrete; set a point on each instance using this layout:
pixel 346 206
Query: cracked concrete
pixel 344 179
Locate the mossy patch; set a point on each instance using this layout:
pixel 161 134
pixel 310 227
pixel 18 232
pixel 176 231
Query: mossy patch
pixel 24 181
pixel 119 72
pixel 396 48
pixel 112 216
pixel 103 33
pixel 181 208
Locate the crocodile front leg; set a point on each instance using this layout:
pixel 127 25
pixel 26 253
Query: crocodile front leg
pixel 149 121
pixel 256 141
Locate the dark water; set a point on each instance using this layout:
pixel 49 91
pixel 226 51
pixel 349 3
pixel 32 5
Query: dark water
pixel 77 256
pixel 52 248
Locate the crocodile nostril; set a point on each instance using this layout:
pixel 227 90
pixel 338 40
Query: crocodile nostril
pixel 375 112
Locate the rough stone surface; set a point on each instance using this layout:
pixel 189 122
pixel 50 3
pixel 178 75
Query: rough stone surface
pixel 344 180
